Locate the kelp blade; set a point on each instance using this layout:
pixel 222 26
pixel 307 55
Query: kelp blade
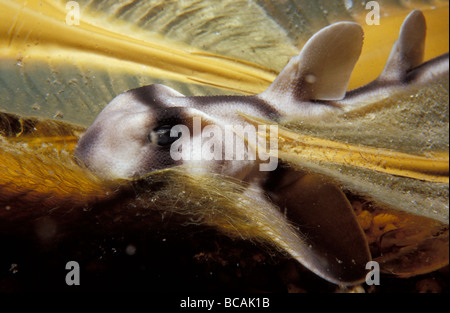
pixel 56 70
pixel 394 151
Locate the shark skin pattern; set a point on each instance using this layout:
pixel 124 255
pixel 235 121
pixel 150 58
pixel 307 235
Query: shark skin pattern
pixel 133 134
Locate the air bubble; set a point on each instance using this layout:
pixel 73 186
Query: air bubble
pixel 130 249
pixel 348 4
pixel 310 78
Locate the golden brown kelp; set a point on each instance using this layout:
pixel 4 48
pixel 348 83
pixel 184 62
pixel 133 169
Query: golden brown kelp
pixel 220 202
pixel 37 172
pixel 394 151
pixel 42 185
pixel 38 177
pixel 72 71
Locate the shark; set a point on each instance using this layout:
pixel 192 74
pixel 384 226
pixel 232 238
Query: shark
pixel 137 131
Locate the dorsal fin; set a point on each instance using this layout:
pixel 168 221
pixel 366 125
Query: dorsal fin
pixel 322 69
pixel 408 51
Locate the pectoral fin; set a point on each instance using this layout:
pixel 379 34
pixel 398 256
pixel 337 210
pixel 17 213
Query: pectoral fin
pixel 322 69
pixel 335 246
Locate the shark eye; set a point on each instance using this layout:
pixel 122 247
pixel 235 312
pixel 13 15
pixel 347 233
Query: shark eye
pixel 160 136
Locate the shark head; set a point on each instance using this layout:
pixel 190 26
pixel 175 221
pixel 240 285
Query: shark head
pixel 121 141
pixel 131 137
